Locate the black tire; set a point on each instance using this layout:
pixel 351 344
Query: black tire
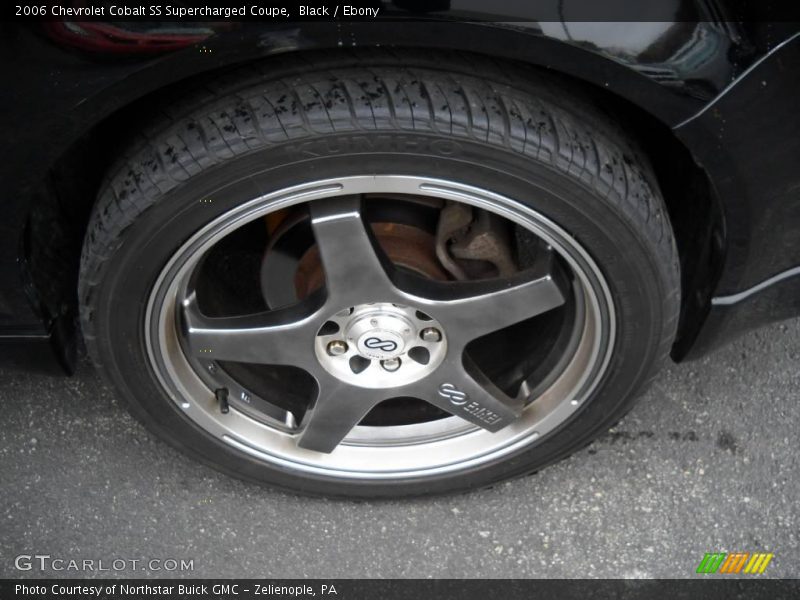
pixel 508 128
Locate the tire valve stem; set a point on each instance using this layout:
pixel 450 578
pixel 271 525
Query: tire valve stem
pixel 222 397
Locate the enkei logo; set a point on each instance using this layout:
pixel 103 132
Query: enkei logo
pixel 452 393
pixel 375 343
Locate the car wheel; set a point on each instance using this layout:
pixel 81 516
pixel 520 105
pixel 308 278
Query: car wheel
pixel 380 276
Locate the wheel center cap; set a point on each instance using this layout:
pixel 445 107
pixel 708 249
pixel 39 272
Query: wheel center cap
pixel 380 335
pixel 380 343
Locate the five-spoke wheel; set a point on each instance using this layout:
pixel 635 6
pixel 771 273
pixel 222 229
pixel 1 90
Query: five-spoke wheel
pixel 376 334
pixel 376 308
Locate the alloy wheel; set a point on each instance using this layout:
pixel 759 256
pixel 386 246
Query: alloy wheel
pixel 375 332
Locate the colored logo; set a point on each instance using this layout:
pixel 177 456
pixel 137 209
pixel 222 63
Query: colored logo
pixel 735 562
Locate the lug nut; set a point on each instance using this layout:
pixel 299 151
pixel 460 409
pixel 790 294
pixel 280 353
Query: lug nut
pixel 431 334
pixel 391 364
pixel 337 348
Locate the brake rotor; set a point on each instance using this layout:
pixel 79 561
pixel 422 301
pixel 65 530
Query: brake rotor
pixel 290 274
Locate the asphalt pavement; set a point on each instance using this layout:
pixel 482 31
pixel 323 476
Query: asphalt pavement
pixel 706 462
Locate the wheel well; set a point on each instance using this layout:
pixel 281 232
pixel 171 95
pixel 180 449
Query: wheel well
pixel 60 214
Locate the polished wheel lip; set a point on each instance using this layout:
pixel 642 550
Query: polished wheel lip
pixel 361 455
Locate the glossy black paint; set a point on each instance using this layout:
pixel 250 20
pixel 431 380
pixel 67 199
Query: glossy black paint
pixel 748 141
pixel 69 95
